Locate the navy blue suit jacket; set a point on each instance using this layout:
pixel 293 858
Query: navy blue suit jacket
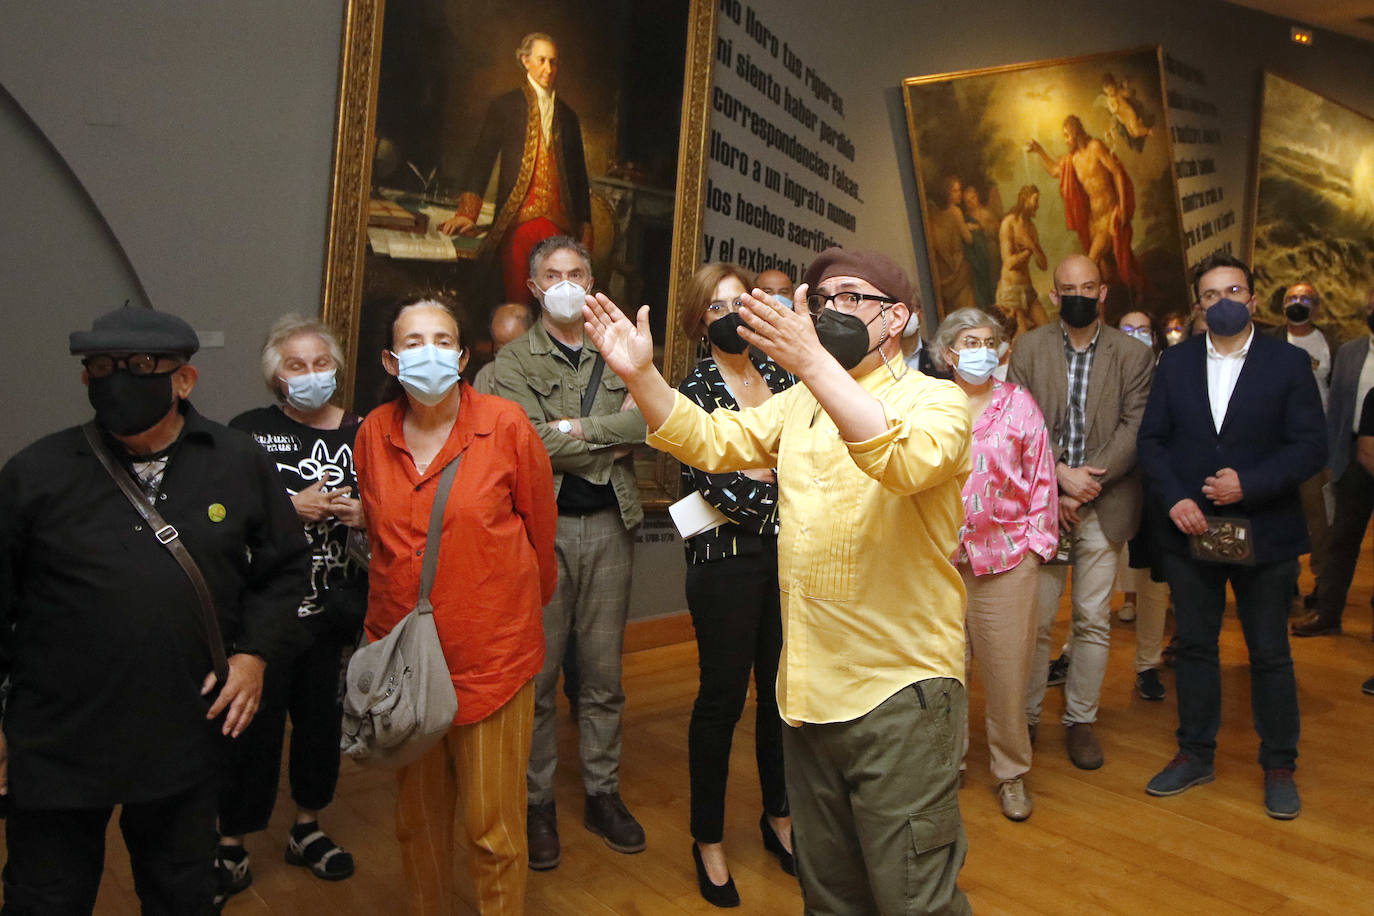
pixel 1273 435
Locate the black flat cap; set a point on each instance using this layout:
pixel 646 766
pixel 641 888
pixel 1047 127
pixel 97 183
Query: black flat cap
pixel 136 330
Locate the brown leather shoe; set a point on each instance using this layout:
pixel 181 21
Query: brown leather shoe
pixel 1315 624
pixel 607 817
pixel 1082 746
pixel 541 826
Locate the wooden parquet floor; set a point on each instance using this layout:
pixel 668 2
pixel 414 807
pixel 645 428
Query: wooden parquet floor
pixel 1096 843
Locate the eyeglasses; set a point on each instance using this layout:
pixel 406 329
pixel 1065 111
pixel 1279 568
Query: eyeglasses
pixel 1239 292
pixel 969 342
pixel 1132 328
pixel 724 305
pixel 1299 300
pixel 845 303
pixel 104 365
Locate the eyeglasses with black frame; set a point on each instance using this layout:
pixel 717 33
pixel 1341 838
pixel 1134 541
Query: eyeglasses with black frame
pixel 846 303
pixel 719 306
pixel 1237 292
pixel 104 365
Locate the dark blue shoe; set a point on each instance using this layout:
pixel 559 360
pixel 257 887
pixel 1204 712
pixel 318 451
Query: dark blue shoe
pixel 1281 794
pixel 1182 773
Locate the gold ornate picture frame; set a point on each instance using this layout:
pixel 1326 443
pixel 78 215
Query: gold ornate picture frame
pixel 647 213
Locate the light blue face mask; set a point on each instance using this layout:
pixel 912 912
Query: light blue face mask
pixel 976 364
pixel 783 301
pixel 1144 336
pixel 311 391
pixel 428 373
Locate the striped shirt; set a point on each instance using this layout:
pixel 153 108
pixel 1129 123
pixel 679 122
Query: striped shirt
pixel 1073 438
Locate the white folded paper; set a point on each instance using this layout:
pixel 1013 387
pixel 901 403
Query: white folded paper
pixel 693 514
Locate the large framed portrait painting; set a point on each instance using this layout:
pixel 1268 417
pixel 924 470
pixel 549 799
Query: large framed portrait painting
pixel 1020 166
pixel 469 130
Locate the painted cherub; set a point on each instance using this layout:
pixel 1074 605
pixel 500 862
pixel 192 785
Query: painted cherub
pixel 1132 122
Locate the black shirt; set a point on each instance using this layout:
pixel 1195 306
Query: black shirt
pixel 751 504
pixel 1366 427
pixel 304 455
pixel 100 628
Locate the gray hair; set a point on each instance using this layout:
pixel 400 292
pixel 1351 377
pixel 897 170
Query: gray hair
pixel 956 323
pixel 554 243
pixel 286 327
pixel 527 45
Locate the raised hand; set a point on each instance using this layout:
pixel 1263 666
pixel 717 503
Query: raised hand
pixel 787 336
pixel 627 348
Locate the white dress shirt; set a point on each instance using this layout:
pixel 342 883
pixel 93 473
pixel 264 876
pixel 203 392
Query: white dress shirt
pixel 545 97
pixel 1222 372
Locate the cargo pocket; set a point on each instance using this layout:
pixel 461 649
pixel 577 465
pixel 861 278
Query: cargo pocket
pixel 932 833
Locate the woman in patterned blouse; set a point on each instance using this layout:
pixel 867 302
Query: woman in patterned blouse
pixel 732 590
pixel 1011 523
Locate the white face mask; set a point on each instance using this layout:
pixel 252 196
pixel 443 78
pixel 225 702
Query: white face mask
pixel 311 391
pixel 428 373
pixel 564 301
pixel 1144 336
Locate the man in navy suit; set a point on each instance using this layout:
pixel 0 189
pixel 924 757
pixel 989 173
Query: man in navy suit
pixel 1232 428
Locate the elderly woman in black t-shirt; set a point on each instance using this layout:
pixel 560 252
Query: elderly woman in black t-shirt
pixel 732 590
pixel 311 441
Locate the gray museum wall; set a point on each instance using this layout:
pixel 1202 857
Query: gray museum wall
pixel 201 135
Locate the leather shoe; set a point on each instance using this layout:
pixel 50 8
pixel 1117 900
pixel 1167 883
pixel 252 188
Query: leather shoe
pixel 774 845
pixel 1082 746
pixel 1016 803
pixel 1315 624
pixel 1281 795
pixel 607 817
pixel 724 895
pixel 541 827
pixel 1179 775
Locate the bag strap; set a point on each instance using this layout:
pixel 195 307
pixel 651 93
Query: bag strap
pixel 589 396
pixel 436 527
pixel 170 538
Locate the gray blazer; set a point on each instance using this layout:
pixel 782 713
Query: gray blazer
pixel 1118 387
pixel 1341 406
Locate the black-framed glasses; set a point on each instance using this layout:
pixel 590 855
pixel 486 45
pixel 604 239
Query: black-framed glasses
pixel 103 365
pixel 1238 292
pixel 846 303
pixel 725 305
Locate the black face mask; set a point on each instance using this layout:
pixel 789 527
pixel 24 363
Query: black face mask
pixel 1297 313
pixel 1078 311
pixel 127 404
pixel 724 334
pixel 845 337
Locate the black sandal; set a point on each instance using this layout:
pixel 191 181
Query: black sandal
pixel 309 847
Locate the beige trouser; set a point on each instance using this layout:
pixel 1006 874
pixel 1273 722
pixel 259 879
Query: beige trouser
pixel 1001 623
pixel 484 763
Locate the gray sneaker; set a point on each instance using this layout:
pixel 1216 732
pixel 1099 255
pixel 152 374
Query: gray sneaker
pixel 1281 794
pixel 1181 774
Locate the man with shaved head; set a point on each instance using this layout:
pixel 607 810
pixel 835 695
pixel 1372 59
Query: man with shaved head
pixel 509 322
pixel 1091 382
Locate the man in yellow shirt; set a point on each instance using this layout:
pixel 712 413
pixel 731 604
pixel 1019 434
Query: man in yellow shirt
pixel 871 457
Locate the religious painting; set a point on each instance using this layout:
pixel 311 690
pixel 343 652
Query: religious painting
pixel 1020 166
pixel 1314 209
pixel 469 130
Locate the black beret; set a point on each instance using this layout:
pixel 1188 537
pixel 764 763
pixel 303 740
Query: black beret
pixel 876 268
pixel 136 330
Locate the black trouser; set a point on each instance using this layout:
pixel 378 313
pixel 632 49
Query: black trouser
pixel 1354 503
pixel 1262 600
pixel 307 687
pixel 56 856
pixel 734 605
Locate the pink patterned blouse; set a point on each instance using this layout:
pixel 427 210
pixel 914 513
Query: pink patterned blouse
pixel 1011 498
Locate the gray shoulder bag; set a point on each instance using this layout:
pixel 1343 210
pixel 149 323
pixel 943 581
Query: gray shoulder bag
pixel 398 697
pixel 170 538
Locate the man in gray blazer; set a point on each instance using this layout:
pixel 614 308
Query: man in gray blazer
pixel 1091 382
pixel 1352 377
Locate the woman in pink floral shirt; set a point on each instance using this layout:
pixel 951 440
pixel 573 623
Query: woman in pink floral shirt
pixel 1010 525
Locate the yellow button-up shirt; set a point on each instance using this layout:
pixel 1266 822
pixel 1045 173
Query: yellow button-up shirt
pixel 870 601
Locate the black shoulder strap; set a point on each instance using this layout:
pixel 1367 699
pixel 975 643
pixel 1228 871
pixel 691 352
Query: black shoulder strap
pixel 589 396
pixel 168 537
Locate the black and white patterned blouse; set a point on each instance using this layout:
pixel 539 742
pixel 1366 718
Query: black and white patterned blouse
pixel 750 504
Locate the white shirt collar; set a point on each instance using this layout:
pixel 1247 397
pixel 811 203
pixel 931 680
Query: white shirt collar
pixel 1213 353
pixel 544 95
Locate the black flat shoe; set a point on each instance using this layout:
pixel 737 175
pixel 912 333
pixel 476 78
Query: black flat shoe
pixel 722 895
pixel 774 845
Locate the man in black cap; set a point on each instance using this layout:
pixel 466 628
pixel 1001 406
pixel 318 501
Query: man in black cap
pixel 112 698
pixel 871 457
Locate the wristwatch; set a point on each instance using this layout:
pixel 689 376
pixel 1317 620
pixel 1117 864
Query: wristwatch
pixel 565 427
